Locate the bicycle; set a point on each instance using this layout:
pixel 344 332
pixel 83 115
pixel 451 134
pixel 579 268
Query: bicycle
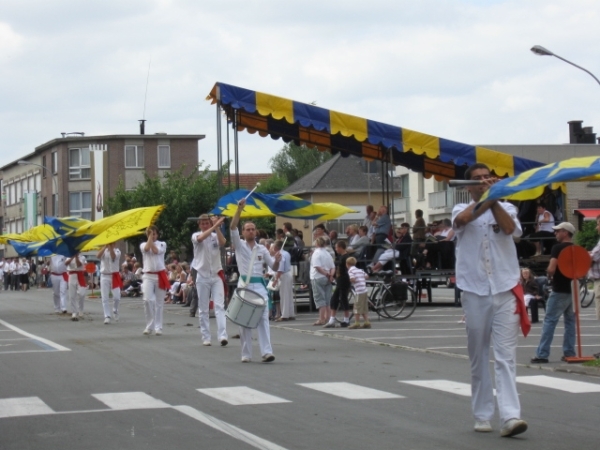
pixel 586 292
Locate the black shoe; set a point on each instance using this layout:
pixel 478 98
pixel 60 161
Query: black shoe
pixel 537 360
pixel 344 324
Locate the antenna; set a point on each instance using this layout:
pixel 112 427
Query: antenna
pixel 146 94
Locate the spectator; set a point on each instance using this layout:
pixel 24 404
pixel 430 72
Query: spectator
pixel 322 270
pixel 594 272
pixel 383 225
pixel 544 233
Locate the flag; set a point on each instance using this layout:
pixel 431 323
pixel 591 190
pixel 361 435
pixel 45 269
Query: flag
pixel 284 205
pixel 530 184
pixel 90 235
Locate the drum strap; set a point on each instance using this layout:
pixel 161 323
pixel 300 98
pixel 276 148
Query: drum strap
pixel 258 280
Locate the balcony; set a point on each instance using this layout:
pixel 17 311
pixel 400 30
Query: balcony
pixel 401 205
pixel 447 199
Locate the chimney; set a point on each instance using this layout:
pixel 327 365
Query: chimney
pixel 142 126
pixel 579 134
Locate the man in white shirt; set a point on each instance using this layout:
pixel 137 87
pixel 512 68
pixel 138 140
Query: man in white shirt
pixel 59 279
pixel 487 271
pixel 110 280
pixel 77 284
pixel 155 281
pixel 256 283
pixel 285 280
pixel 208 243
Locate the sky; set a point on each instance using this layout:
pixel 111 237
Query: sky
pixel 458 69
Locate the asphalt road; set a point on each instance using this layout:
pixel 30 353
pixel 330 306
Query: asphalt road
pixel 85 385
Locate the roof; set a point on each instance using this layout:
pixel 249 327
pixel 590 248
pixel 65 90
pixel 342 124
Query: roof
pixel 339 175
pixel 57 141
pixel 588 214
pixel 247 180
pixel 342 133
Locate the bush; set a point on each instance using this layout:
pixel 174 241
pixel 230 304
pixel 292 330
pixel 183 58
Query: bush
pixel 587 237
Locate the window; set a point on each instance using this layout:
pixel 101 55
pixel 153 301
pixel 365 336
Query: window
pixel 134 156
pixel 44 164
pixel 80 204
pixel 164 157
pixel 45 207
pixel 54 162
pixel 421 186
pixel 54 205
pixel 404 189
pixel 79 164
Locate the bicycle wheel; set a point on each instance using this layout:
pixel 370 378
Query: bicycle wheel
pixel 399 301
pixel 351 299
pixel 586 292
pixel 376 301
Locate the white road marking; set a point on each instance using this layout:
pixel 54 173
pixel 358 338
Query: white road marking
pixel 349 391
pixel 228 429
pixel 452 387
pixel 23 406
pixel 130 400
pixel 574 387
pixel 242 395
pixel 38 339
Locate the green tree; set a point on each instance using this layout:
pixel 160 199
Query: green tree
pixel 587 237
pixel 184 196
pixel 293 161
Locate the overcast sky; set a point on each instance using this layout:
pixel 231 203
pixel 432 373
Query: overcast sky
pixel 458 69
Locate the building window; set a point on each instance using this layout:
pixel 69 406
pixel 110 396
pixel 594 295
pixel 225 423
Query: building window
pixel 45 206
pixel 54 205
pixel 134 156
pixel 164 157
pixel 421 186
pixel 44 164
pixel 79 164
pixel 54 163
pixel 80 204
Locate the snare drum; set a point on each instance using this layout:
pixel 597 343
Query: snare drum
pixel 245 308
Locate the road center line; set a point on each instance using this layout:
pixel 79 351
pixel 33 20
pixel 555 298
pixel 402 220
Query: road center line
pixel 40 340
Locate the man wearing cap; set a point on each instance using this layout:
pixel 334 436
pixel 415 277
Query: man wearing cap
pixel 210 279
pixel 559 302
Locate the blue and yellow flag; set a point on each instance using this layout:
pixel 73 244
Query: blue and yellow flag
pixel 71 238
pixel 284 205
pixel 530 184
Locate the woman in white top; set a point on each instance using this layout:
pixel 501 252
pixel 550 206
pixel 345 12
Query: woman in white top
pixel 155 281
pixel 543 230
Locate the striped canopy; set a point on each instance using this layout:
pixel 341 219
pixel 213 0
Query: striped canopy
pixel 351 135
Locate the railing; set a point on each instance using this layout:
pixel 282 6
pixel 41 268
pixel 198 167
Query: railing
pixel 401 204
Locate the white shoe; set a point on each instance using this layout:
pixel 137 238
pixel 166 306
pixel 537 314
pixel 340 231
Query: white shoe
pixel 206 343
pixel 81 315
pixel 158 332
pixel 116 316
pixel 483 426
pixel 512 427
pixel 245 359
pixel 106 320
pixel 147 331
pixel 268 358
pixel 74 317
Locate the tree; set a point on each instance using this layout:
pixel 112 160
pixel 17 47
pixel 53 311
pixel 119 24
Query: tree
pixel 293 161
pixel 184 196
pixel 587 237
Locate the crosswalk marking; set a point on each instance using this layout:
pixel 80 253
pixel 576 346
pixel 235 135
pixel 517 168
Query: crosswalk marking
pixel 574 387
pixel 443 385
pixel 23 406
pixel 130 400
pixel 349 391
pixel 242 395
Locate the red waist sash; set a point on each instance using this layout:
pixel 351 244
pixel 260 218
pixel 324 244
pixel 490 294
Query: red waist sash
pixel 522 309
pixel 163 279
pixel 80 277
pixel 116 280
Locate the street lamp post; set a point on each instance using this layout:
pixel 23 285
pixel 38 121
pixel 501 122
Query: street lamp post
pixel 541 51
pixel 29 163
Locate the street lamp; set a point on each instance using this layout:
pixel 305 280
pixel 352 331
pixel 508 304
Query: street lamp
pixel 22 162
pixel 541 51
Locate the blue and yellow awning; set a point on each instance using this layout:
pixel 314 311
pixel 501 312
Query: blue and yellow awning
pixel 342 133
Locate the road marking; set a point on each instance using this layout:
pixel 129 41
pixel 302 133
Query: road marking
pixel 574 387
pixel 23 406
pixel 130 400
pixel 228 429
pixel 242 395
pixel 350 391
pixel 44 343
pixel 452 387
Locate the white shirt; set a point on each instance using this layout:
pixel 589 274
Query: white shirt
pixel 108 266
pixel 545 226
pixel 285 265
pixel 486 260
pixel 320 258
pixel 72 267
pixel 154 262
pixel 12 267
pixel 207 255
pixel 243 254
pixel 57 264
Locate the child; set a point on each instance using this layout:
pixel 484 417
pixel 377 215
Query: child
pixel 357 278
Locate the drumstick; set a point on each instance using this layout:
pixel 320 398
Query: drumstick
pixel 250 193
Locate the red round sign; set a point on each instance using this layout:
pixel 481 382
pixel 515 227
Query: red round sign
pixel 574 261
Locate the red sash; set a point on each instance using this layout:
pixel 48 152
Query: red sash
pixel 163 280
pixel 80 277
pixel 222 276
pixel 116 280
pixel 522 309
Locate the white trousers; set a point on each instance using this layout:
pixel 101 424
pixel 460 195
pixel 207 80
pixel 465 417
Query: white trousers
pixel 264 332
pixel 154 300
pixel 76 295
pixel 59 292
pixel 105 290
pixel 286 294
pixel 492 319
pixel 208 288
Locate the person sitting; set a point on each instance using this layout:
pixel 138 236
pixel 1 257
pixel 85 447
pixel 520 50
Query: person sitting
pixel 359 246
pixel 544 234
pixel 531 290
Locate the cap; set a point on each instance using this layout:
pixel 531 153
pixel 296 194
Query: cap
pixel 565 226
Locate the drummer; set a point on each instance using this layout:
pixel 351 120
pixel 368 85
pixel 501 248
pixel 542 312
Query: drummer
pixel 256 283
